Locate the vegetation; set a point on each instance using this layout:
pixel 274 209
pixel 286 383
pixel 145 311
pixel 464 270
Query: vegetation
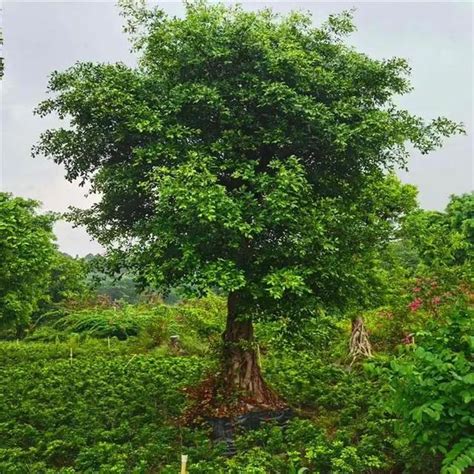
pixel 91 402
pixel 27 252
pixel 434 388
pixel 34 276
pixel 247 160
pixel 103 385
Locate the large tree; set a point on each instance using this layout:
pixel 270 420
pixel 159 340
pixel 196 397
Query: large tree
pixel 439 246
pixel 246 152
pixel 69 280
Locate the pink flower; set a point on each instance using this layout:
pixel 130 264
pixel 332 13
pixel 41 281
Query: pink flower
pixel 417 289
pixel 436 300
pixel 415 304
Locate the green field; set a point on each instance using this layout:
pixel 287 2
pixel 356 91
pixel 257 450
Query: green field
pixel 79 403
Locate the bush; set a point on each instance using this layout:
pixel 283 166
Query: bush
pixel 433 385
pixel 302 444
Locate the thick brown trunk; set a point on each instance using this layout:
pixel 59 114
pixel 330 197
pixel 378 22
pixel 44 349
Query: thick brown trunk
pixel 240 362
pixel 238 387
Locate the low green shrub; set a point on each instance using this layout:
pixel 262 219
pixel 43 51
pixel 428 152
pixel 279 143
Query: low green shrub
pixel 101 412
pixel 299 446
pixel 115 406
pixel 113 410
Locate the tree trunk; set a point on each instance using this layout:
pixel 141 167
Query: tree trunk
pixel 238 387
pixel 241 370
pixel 20 332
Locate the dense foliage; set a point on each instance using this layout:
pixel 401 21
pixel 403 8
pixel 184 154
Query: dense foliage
pixel 443 242
pixel 245 152
pixel 27 252
pixel 92 404
pixel 102 412
pixel 434 391
pixel 35 277
pixel 68 279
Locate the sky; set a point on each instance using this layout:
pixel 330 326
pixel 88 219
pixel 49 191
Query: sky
pixel 40 37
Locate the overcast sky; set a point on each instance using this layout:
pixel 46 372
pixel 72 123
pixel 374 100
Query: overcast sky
pixel 40 37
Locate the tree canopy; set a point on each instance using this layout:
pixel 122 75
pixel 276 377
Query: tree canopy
pixel 68 278
pixel 444 239
pixel 245 150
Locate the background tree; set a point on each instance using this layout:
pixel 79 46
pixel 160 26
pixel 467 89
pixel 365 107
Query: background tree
pixel 27 251
pixel 118 286
pixel 444 239
pixel 68 278
pixel 245 152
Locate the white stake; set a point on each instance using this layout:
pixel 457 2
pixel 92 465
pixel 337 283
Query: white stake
pixel 133 357
pixel 70 355
pixel 108 342
pixel 184 461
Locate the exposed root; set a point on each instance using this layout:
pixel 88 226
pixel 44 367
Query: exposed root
pixel 215 397
pixel 359 345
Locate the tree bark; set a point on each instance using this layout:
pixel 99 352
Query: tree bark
pixel 241 369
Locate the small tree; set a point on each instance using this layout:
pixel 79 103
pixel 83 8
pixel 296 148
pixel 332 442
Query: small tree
pixel 27 251
pixel 245 152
